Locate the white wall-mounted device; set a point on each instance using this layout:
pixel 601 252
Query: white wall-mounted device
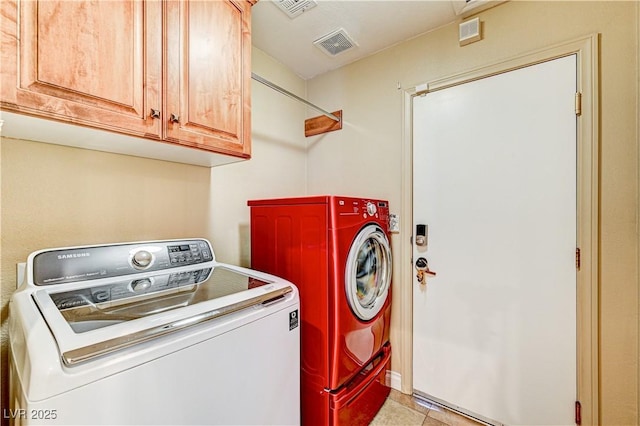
pixel 470 31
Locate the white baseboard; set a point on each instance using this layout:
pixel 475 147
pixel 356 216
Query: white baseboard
pixel 394 379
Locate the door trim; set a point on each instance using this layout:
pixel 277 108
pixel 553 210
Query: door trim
pixel 586 50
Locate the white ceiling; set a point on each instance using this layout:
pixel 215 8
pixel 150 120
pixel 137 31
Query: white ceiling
pixel 373 24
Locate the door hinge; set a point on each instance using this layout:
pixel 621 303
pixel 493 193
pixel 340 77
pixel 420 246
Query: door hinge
pixel 578 418
pixel 578 103
pixel 577 258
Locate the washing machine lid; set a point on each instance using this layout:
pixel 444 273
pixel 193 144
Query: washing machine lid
pixel 90 321
pixel 368 272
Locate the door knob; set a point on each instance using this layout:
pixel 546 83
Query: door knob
pixel 422 270
pixel 174 118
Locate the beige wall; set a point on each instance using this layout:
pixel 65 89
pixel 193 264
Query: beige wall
pixel 365 157
pixel 54 196
pixel 277 168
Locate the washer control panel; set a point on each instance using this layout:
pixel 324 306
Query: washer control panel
pixel 189 253
pixel 59 266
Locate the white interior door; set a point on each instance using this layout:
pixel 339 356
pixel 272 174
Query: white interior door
pixel 495 181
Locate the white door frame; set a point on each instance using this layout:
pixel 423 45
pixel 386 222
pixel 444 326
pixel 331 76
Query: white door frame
pixel 586 49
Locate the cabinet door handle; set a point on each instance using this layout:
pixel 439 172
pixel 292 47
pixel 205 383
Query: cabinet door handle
pixel 174 118
pixel 155 113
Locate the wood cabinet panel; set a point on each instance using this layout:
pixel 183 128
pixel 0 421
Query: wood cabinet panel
pixel 90 63
pixel 98 45
pixel 208 69
pixel 108 64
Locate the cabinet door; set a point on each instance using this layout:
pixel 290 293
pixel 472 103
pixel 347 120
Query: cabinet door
pixel 208 53
pixel 96 63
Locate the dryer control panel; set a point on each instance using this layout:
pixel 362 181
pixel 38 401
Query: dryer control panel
pixel 58 266
pixel 362 208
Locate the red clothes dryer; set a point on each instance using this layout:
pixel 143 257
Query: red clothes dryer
pixel 336 251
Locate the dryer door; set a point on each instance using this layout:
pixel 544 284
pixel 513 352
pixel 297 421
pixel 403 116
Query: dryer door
pixel 368 272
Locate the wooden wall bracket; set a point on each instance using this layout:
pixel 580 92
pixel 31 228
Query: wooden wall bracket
pixel 322 124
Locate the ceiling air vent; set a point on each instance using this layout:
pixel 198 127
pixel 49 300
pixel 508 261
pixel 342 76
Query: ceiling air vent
pixel 295 8
pixel 335 43
pixel 464 7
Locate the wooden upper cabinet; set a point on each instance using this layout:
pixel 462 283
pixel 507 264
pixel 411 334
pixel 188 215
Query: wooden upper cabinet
pixel 175 71
pixel 89 62
pixel 208 48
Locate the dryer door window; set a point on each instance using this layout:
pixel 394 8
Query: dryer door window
pixel 368 272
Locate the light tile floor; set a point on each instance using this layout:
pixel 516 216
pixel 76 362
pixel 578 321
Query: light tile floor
pixel 404 410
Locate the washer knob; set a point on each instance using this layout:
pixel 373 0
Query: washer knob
pixel 371 208
pixel 142 259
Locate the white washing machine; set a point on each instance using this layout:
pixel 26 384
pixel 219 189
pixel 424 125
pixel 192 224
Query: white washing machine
pixel 152 333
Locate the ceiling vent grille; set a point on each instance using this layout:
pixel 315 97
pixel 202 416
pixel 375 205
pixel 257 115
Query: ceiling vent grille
pixel 335 42
pixel 295 8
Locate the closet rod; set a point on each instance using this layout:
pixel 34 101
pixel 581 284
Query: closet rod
pixel 267 83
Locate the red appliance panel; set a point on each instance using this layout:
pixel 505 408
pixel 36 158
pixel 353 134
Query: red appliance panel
pixel 359 402
pixel 314 403
pixel 354 404
pixel 307 240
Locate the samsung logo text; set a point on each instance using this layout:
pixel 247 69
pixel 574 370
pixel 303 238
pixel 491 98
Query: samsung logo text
pixel 73 255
